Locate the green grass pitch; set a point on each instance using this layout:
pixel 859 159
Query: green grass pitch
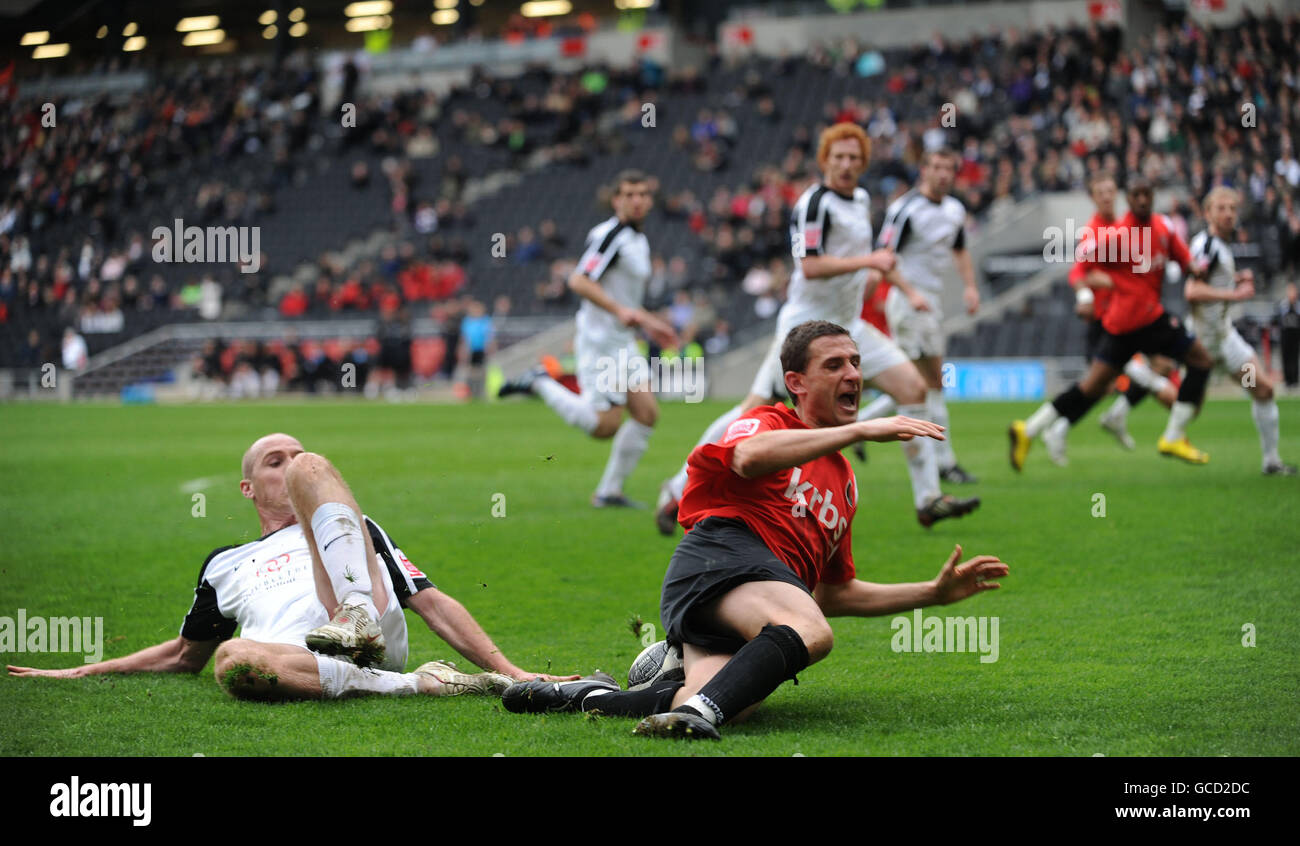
pixel 1120 634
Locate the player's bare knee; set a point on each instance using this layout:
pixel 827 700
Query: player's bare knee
pixel 244 670
pixel 646 415
pixel 912 393
pixel 605 428
pixel 817 639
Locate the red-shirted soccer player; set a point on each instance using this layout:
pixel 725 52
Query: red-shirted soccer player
pixel 767 555
pixel 1093 289
pixel 1133 253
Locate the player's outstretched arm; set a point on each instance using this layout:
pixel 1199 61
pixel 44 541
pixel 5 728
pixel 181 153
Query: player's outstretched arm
pixel 966 270
pixel 918 301
pixel 779 449
pixel 181 655
pixel 450 620
pixel 822 267
pixel 1197 291
pixel 659 331
pixel 955 582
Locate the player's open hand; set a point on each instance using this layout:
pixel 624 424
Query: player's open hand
pixel 524 676
pixel 69 673
pixel 958 581
pixel 898 428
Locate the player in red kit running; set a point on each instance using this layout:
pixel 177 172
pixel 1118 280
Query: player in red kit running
pixel 1093 289
pixel 1133 252
pixel 767 555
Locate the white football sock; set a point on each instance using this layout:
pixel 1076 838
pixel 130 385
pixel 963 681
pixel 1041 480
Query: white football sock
pixel 1118 410
pixel 342 550
pixel 1045 416
pixel 943 454
pixel 1141 373
pixel 339 680
pixel 629 445
pixel 1266 421
pixel 881 406
pixel 716 430
pixel 1059 429
pixel 571 407
pixel 1179 416
pixel 921 463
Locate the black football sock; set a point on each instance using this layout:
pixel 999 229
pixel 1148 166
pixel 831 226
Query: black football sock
pixel 757 669
pixel 1193 387
pixel 655 699
pixel 1072 404
pixel 1135 394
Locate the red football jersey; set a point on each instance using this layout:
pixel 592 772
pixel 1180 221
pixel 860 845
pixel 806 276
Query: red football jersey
pixel 1135 255
pixel 802 514
pixel 1085 260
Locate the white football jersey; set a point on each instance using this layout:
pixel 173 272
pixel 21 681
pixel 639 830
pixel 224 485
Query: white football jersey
pixel 924 233
pixel 1210 252
pixel 266 589
pixel 824 223
pixel 618 257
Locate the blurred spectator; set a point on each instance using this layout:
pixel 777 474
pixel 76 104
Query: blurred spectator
pixel 75 353
pixel 477 342
pixel 395 346
pixel 1287 321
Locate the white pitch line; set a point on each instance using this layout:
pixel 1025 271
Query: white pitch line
pixel 196 485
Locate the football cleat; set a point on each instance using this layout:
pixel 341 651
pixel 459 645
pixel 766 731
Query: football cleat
pixel 860 451
pixel 678 725
pixel 542 697
pixel 1020 443
pixel 666 511
pixel 349 634
pixel 942 507
pixel 1117 426
pixel 1182 448
pixel 1278 468
pixel 957 475
pixel 456 683
pixel 657 662
pixel 616 501
pixel 522 384
pixel 1054 438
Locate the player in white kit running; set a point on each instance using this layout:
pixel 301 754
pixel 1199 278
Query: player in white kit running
pixel 1211 319
pixel 926 227
pixel 611 278
pixel 831 241
pixel 275 591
